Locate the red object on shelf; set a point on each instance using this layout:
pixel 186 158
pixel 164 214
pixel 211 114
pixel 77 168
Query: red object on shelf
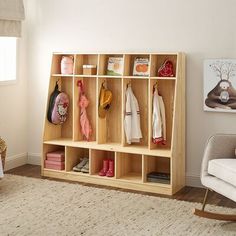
pixel 167 69
pixel 110 172
pixel 56 156
pixel 55 165
pixel 104 169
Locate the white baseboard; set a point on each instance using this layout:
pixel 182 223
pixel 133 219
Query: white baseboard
pixel 193 180
pixel 34 159
pixel 15 161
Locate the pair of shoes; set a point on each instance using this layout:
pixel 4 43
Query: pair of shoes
pixel 83 166
pixel 108 168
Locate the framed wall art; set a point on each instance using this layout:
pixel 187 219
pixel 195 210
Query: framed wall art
pixel 220 85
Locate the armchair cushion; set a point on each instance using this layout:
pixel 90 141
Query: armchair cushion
pixel 224 169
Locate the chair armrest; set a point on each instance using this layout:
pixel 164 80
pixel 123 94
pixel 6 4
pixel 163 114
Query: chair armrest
pixel 218 146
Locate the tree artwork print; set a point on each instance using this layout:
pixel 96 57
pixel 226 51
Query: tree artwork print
pixel 219 85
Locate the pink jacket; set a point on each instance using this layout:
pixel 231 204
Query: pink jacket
pixel 83 103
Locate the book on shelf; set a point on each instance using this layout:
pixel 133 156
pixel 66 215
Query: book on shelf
pixel 141 66
pixel 158 177
pixel 115 66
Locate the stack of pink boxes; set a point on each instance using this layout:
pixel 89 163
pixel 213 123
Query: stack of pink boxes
pixel 55 160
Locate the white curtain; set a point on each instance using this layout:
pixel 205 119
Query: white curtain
pixel 11 14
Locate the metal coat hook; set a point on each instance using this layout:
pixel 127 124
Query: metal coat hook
pixel 57 81
pixel 155 86
pixel 129 84
pixel 104 83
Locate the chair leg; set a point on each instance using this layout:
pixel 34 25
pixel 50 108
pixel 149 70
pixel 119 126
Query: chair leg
pixel 205 199
pixel 212 215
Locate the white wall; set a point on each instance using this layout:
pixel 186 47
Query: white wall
pixel 13 109
pixel 202 29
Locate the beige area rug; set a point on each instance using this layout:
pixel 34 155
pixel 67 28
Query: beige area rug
pixel 34 207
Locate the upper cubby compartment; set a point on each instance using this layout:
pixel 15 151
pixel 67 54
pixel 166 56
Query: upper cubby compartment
pixel 111 65
pixel 63 64
pixel 64 130
pixel 86 64
pixel 164 63
pixel 137 65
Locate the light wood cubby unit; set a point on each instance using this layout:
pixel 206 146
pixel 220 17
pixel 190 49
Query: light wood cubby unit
pixel 132 162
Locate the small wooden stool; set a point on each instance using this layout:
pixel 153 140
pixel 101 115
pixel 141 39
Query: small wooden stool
pixel 3 151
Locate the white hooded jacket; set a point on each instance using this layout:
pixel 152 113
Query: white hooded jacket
pixel 132 118
pixel 158 119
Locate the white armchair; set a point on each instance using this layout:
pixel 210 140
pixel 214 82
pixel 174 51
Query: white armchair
pixel 218 172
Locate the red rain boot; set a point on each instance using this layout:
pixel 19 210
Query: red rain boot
pixel 104 169
pixel 110 172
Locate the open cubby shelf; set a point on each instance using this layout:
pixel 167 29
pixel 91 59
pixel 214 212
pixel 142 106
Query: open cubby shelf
pixel 132 162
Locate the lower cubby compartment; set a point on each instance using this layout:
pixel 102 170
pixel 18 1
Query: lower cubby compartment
pixel 129 166
pixel 54 157
pixel 97 162
pixel 75 156
pixel 157 170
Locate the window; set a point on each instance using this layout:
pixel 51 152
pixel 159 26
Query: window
pixel 7 58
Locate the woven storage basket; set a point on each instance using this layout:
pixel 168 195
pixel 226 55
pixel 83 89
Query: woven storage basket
pixel 3 157
pixel 3 151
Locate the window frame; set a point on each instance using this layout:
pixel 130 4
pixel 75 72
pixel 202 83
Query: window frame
pixel 10 82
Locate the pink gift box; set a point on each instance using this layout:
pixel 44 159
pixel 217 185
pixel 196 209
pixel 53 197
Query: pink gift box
pixel 56 156
pixel 55 165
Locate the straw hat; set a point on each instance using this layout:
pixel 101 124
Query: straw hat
pixel 105 99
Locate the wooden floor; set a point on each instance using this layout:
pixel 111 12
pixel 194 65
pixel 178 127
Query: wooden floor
pixel 190 194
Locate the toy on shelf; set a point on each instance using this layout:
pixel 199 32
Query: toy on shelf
pixel 67 65
pixel 166 70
